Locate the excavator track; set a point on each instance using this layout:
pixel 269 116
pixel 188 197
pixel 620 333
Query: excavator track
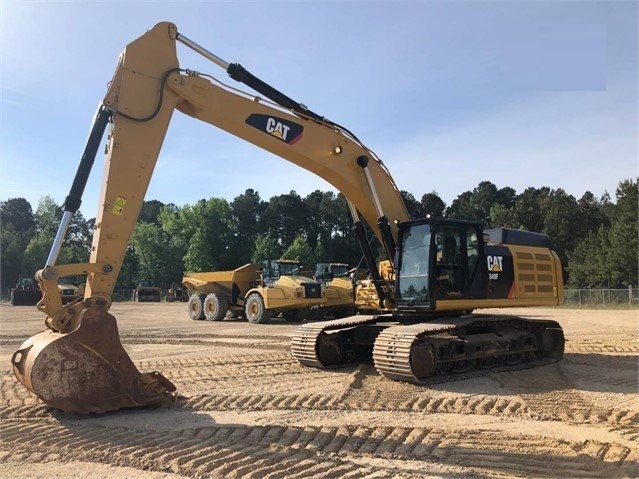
pixel 442 350
pixel 464 347
pixel 313 343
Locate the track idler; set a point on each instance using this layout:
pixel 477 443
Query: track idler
pixel 87 370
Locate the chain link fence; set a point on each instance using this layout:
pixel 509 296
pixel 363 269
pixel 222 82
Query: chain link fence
pixel 602 298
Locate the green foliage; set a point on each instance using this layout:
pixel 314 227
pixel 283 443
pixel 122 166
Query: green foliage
pixel 75 248
pixel 285 216
pixel 623 253
pixel 156 260
pixel 36 253
pixel 595 237
pixel 246 212
pixel 265 248
pixel 150 211
pixel 476 205
pixel 527 209
pixel 589 262
pixel 320 254
pixel 341 245
pixel 300 251
pixel 322 219
pixel 17 228
pixel 502 216
pixel 561 222
pixel 212 234
pixel 414 207
pixel 609 257
pixel 433 205
pixel 129 272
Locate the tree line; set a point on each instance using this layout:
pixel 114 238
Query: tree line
pixel 596 238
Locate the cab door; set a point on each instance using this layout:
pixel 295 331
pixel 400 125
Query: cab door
pixel 456 251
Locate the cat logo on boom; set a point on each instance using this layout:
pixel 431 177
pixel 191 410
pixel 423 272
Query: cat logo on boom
pixel 277 128
pixel 280 128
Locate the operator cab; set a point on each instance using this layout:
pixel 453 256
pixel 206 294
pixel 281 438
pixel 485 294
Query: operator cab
pixel 326 272
pixel 273 269
pixel 437 260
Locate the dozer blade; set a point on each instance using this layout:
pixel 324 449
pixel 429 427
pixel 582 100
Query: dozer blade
pixel 87 370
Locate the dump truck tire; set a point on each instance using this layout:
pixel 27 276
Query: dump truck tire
pixel 255 310
pixel 215 307
pixel 195 307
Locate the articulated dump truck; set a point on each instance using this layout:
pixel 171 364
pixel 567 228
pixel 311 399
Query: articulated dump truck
pixel 337 285
pixel 256 292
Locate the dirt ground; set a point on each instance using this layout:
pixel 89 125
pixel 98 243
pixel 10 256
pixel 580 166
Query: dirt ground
pixel 251 411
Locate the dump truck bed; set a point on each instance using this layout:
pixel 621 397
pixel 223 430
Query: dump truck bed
pixel 207 282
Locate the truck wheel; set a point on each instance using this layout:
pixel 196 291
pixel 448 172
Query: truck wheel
pixel 214 307
pixel 255 310
pixel 195 307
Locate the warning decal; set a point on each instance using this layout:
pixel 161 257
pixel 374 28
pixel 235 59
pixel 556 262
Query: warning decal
pixel 119 205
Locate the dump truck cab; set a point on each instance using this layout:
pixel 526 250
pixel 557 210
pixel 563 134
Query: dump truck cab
pixel 69 292
pixel 337 285
pixel 282 289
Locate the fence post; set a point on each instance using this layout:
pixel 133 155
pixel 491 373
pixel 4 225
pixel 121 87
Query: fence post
pixel 630 295
pixel 579 297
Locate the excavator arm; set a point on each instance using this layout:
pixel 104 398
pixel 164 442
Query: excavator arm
pixel 78 364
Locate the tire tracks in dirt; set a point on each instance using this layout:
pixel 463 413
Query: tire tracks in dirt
pixel 292 438
pixel 277 451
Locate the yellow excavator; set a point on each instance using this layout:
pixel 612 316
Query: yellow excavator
pixel 443 269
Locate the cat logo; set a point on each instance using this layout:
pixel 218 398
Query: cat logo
pixel 277 128
pixel 495 264
pixel 282 129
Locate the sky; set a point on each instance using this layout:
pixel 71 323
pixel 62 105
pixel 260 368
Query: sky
pixel 447 94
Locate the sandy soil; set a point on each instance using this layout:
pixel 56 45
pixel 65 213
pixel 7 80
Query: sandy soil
pixel 251 411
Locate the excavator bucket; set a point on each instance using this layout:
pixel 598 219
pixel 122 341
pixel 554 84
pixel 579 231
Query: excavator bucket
pixel 87 370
